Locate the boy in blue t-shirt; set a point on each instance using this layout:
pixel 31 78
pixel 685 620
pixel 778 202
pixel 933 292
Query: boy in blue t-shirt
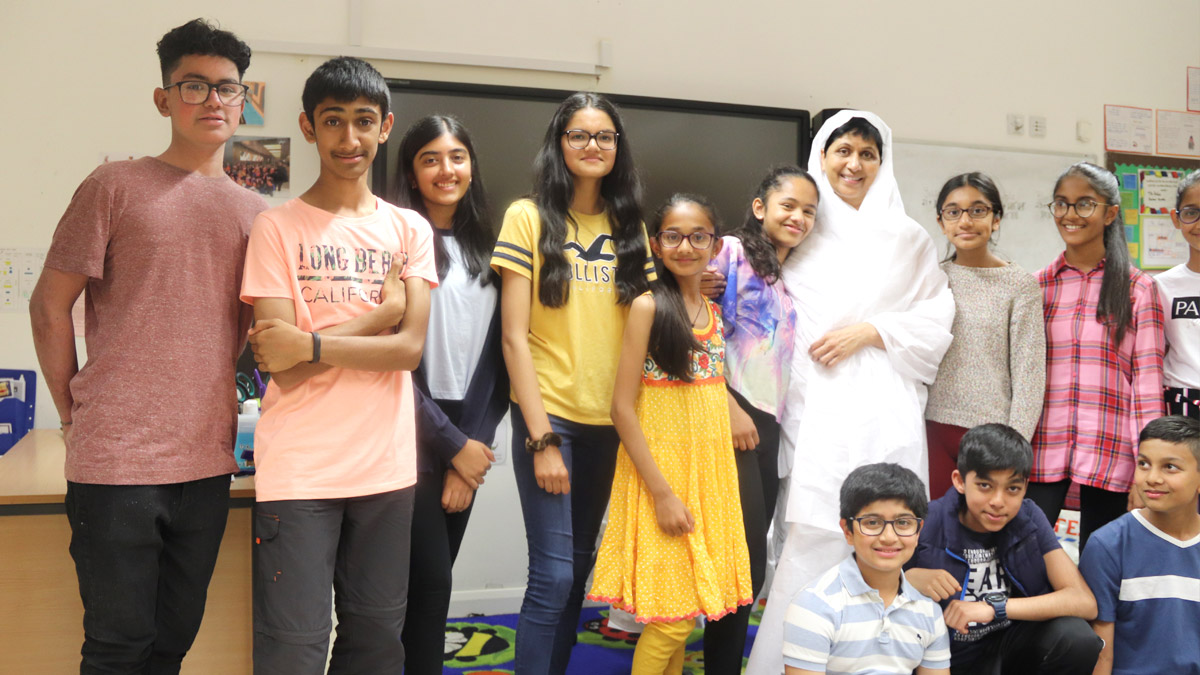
pixel 1144 567
pixel 882 507
pixel 1014 601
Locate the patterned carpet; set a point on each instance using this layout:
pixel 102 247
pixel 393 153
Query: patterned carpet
pixel 483 645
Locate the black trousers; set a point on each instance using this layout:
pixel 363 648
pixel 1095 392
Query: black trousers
pixel 144 555
pixel 1063 646
pixel 436 538
pixel 1097 507
pixel 356 546
pixel 758 485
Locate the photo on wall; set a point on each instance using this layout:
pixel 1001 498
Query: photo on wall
pixel 259 163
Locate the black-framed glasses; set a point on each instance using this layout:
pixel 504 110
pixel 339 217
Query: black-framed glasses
pixel 1083 207
pixel 579 139
pixel 1189 215
pixel 195 92
pixel 904 526
pixel 977 212
pixel 672 239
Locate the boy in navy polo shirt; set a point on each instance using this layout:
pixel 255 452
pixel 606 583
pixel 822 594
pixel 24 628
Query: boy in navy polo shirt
pixel 1145 566
pixel 1014 601
pixel 882 506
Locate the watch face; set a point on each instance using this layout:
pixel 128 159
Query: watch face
pixel 995 598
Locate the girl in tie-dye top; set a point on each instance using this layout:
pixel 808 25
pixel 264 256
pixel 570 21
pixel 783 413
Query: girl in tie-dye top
pixel 759 326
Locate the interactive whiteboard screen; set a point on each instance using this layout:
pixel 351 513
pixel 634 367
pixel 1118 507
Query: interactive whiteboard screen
pixel 718 150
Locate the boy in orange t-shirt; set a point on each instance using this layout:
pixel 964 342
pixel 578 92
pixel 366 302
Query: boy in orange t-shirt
pixel 340 284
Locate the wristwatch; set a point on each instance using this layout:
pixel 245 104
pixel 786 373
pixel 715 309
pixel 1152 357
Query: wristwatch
pixel 549 438
pixel 999 603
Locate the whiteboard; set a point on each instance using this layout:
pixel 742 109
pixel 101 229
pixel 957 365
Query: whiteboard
pixel 1027 234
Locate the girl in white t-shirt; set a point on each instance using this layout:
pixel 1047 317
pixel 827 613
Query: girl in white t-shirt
pixel 1179 288
pixel 461 384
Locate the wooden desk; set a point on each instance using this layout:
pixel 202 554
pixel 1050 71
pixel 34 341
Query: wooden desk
pixel 41 616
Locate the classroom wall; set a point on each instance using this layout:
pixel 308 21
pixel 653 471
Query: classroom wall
pixel 79 75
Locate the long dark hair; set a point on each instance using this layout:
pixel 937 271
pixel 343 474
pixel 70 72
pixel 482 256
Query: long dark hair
pixel 987 188
pixel 760 250
pixel 1115 307
pixel 471 224
pixel 671 338
pixel 554 188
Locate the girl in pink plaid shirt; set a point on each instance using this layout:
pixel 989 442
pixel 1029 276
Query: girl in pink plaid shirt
pixel 1104 352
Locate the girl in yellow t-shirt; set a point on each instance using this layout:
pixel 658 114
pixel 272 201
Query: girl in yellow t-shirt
pixel 571 260
pixel 675 546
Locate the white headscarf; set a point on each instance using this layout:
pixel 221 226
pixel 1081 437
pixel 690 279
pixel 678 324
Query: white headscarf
pixel 872 264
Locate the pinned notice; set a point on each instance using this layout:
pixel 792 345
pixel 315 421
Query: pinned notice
pixel 1178 133
pixel 1128 129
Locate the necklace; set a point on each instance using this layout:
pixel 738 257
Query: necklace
pixel 697 316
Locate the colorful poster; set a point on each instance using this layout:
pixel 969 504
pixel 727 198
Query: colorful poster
pixel 1128 129
pixel 1158 188
pixel 1178 133
pixel 255 112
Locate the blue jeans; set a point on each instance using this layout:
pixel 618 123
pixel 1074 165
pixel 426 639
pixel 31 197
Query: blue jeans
pixel 144 555
pixel 561 532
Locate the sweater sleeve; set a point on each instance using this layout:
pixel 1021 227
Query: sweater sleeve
pixel 1027 356
pixel 434 430
pixel 1149 345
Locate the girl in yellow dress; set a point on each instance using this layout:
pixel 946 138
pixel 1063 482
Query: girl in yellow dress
pixel 674 547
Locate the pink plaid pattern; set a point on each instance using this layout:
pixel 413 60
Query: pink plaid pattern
pixel 1098 395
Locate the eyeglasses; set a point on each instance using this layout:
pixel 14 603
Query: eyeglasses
pixel 903 527
pixel 953 213
pixel 579 139
pixel 672 239
pixel 1083 207
pixel 1189 215
pixel 195 92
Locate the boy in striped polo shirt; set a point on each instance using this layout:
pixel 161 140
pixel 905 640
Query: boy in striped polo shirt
pixel 863 616
pixel 1144 567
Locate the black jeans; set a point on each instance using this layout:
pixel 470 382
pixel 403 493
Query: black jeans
pixel 144 555
pixel 758 483
pixel 436 538
pixel 1097 507
pixel 1063 646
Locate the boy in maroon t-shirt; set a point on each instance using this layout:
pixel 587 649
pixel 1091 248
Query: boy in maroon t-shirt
pixel 158 243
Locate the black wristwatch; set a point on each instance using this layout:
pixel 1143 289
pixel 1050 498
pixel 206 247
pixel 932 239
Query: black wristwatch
pixel 549 438
pixel 999 603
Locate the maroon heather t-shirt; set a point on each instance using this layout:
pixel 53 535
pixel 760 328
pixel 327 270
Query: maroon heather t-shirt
pixel 155 403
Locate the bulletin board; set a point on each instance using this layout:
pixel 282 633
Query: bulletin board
pixel 1147 197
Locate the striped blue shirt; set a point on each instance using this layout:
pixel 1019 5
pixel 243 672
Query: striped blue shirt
pixel 838 624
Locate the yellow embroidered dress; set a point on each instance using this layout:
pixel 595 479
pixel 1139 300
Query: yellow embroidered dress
pixel 642 570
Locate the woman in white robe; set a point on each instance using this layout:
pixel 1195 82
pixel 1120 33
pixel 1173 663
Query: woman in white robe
pixel 873 322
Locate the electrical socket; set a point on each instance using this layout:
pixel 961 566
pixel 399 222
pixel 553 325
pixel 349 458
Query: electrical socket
pixel 1016 124
pixel 1037 126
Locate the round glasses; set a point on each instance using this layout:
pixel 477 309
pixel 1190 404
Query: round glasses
pixel 673 239
pixel 579 139
pixel 1189 215
pixel 195 92
pixel 953 213
pixel 1083 207
pixel 872 526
